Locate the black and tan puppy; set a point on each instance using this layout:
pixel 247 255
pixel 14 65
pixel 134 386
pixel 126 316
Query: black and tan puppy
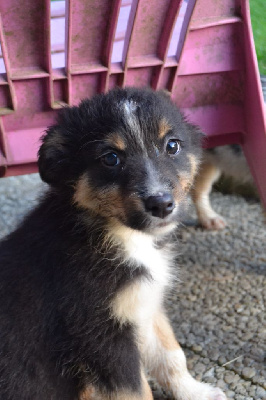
pixel 83 278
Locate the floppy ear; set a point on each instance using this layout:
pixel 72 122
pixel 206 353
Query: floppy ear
pixel 58 158
pixel 54 156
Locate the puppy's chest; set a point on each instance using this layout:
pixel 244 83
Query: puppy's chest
pixel 141 299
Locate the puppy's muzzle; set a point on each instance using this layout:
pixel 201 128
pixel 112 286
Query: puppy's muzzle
pixel 160 205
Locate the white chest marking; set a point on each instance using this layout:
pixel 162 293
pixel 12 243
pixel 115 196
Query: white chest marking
pixel 140 300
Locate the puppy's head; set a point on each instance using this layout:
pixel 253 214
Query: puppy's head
pixel 129 155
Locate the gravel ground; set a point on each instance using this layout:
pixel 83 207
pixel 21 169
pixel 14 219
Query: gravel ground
pixel 218 306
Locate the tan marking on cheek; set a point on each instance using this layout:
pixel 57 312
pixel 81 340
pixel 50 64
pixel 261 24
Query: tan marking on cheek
pixel 83 195
pixel 116 141
pixel 107 202
pixel 164 127
pixel 165 333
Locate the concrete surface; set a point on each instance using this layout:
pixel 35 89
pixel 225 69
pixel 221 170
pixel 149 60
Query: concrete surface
pixel 218 306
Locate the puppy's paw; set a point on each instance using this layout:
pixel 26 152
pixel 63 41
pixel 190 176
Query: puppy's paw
pixel 213 222
pixel 190 389
pixel 216 394
pixel 206 392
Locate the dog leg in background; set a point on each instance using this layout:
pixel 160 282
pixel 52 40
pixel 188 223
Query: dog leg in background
pixel 208 218
pixel 166 361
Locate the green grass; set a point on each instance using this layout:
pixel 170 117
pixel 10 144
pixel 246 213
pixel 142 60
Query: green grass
pixel 258 18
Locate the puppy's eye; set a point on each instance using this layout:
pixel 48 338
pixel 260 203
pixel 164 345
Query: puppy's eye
pixel 173 146
pixel 110 159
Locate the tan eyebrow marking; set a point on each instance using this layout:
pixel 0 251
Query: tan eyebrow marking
pixel 164 128
pixel 115 140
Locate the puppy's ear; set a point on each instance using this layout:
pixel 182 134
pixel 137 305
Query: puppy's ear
pixel 58 158
pixel 54 156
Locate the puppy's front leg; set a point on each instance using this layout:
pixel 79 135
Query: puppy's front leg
pixel 166 361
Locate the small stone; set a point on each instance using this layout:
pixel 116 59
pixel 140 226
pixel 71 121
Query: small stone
pixel 235 382
pixel 240 397
pixel 248 372
pixel 197 348
pixel 240 389
pixel 214 354
pixel 221 384
pixel 229 378
pixel 222 360
pixel 239 308
pixel 247 336
pixel 199 368
pixel 209 373
pixel 230 394
pixel 252 391
pixel 210 379
pixel 260 392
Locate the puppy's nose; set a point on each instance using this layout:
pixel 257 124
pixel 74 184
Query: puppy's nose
pixel 160 205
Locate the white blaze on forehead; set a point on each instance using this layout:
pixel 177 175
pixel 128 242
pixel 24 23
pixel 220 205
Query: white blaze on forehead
pixel 129 108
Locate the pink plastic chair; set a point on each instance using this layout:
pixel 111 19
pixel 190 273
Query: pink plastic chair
pixel 201 51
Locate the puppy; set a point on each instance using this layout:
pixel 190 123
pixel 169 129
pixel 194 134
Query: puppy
pixel 228 160
pixel 83 278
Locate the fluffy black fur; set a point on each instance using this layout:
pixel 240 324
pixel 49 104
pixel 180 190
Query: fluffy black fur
pixel 56 279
